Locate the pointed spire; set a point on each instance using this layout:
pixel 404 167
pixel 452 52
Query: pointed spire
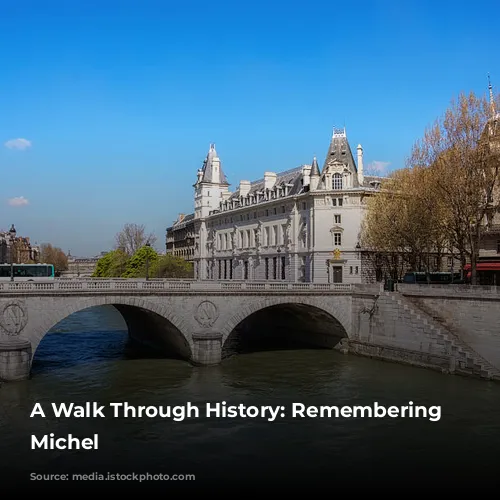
pixel 492 99
pixel 212 168
pixel 315 168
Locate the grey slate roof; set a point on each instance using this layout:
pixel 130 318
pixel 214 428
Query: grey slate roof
pixel 292 177
pixel 315 168
pixel 208 167
pixel 340 151
pixel 180 224
pixel 369 179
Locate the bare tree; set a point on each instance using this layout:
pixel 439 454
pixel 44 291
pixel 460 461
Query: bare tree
pixel 132 237
pixel 55 256
pixel 460 149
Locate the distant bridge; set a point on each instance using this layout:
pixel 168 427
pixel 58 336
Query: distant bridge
pixel 198 320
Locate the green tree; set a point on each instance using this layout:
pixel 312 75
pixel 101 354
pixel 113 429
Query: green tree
pixel 111 265
pixel 140 264
pixel 168 266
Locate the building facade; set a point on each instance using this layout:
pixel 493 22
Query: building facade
pixel 17 249
pixel 180 240
pixel 81 267
pixel 301 225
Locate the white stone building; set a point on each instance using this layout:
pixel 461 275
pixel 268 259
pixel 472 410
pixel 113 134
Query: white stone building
pixel 301 225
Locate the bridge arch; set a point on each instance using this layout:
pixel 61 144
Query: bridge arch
pixel 136 312
pixel 334 311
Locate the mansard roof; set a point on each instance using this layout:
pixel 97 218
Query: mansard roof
pixel 370 181
pixel 340 151
pixel 207 169
pixel 181 222
pixel 292 178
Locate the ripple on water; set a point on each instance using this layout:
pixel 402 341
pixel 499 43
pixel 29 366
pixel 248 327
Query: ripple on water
pixel 85 360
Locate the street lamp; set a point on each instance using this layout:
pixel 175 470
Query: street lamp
pixel 12 241
pixel 148 245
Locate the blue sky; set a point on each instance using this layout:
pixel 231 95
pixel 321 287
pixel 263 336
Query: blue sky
pixel 119 100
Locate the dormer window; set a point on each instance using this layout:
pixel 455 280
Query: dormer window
pixel 337 181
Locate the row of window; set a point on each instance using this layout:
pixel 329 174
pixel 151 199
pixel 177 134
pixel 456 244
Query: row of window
pixel 251 199
pixel 246 238
pixel 248 216
pixel 275 267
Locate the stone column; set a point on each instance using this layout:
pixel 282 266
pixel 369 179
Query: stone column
pixel 15 359
pixel 207 349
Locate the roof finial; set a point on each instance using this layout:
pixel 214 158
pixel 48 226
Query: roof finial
pixel 492 100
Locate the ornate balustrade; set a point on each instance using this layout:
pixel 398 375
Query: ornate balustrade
pixel 77 286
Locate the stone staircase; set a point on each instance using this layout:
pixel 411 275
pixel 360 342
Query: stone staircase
pixel 466 360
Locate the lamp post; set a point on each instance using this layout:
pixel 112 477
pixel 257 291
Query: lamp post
pixel 148 245
pixel 12 243
pixel 280 271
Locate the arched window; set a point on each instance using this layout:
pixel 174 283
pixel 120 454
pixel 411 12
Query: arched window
pixel 337 181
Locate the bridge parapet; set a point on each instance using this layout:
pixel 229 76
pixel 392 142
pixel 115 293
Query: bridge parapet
pixel 103 286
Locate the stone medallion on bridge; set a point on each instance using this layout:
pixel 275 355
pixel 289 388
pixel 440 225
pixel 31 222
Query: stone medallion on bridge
pixel 206 313
pixel 13 318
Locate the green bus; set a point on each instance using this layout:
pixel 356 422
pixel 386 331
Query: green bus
pixel 26 272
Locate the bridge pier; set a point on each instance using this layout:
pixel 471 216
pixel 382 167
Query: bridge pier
pixel 207 349
pixel 15 360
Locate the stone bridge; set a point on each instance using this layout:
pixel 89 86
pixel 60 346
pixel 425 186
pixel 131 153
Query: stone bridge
pixel 201 321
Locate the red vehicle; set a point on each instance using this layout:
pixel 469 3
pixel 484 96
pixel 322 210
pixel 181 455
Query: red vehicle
pixel 487 272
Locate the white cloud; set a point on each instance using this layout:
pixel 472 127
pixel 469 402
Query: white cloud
pixel 377 167
pixel 18 144
pixel 18 201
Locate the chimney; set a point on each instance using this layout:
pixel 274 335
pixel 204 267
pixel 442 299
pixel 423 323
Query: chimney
pixel 244 188
pixel 269 180
pixel 306 174
pixel 360 165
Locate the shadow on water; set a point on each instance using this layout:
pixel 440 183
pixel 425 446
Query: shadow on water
pixel 90 337
pixel 87 358
pixel 284 327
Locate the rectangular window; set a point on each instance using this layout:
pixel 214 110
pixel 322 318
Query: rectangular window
pixel 350 270
pixel 334 202
pixel 220 269
pixel 225 269
pixel 246 270
pixel 341 202
pixel 338 218
pixel 267 268
pixel 275 211
pixel 275 268
pixel 231 269
pixel 450 261
pixel 283 268
pixel 357 270
pixel 337 239
pixel 267 213
pixel 283 209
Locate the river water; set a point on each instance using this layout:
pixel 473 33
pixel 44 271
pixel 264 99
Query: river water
pixel 88 357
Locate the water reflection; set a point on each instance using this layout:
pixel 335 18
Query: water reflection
pixel 88 358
